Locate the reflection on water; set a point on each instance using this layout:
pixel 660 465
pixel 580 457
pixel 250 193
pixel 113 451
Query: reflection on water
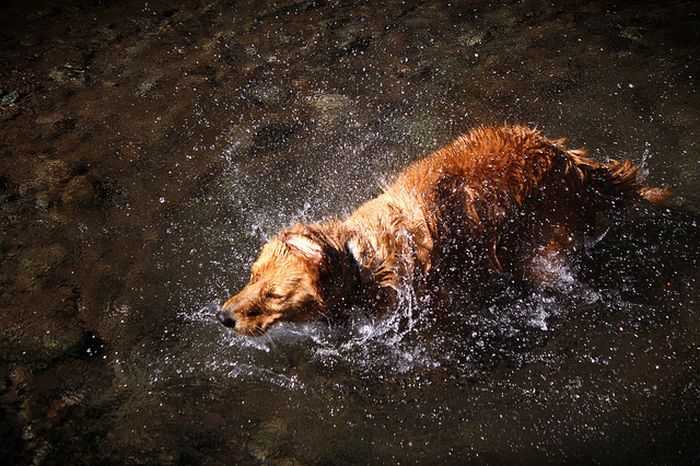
pixel 150 149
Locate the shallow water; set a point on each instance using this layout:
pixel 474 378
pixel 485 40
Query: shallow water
pixel 148 150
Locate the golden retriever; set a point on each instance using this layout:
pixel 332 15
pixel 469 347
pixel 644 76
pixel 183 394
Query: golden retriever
pixel 495 198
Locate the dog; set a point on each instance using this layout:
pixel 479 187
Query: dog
pixel 496 198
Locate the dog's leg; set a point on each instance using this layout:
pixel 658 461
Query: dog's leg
pixel 553 256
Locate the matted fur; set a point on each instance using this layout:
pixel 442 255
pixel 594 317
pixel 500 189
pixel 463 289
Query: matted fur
pixel 492 199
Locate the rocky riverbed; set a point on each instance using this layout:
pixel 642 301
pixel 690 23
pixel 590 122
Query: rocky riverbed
pixel 148 147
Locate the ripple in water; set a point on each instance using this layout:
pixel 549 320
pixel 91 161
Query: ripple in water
pixel 416 338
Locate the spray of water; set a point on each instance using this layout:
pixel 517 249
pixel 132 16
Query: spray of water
pixel 408 340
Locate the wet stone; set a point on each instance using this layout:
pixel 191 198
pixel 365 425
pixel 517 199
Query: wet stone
pixel 352 41
pixel 51 175
pixel 252 51
pixel 20 375
pixel 44 13
pixel 63 126
pixel 632 33
pixel 265 94
pixel 9 107
pixel 146 88
pixel 30 40
pixel 330 107
pixel 37 262
pixel 79 190
pixel 9 112
pixel 289 8
pixel 421 132
pixel 273 136
pixel 60 408
pixel 269 441
pixel 11 98
pixel 237 140
pixel 43 201
pixel 472 38
pixel 69 74
pixel 40 339
pixel 108 34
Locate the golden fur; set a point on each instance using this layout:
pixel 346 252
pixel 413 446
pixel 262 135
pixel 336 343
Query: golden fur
pixel 494 198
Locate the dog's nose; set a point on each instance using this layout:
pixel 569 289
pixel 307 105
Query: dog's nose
pixel 225 319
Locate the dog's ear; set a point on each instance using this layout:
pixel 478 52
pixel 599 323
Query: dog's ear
pixel 306 246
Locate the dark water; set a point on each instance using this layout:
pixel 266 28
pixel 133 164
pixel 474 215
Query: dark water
pixel 149 148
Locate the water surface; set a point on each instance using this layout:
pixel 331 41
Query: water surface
pixel 149 149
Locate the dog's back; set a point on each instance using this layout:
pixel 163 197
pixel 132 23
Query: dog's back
pixel 493 195
pixel 512 165
pixel 496 198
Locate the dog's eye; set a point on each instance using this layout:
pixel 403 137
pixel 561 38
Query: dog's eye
pixel 272 294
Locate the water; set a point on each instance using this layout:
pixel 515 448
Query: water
pixel 542 371
pixel 138 184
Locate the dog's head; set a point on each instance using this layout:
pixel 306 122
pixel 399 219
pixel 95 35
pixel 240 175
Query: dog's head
pixel 285 285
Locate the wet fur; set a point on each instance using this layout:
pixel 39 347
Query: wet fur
pixel 494 199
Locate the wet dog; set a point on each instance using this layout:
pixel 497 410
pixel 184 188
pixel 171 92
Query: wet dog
pixel 494 199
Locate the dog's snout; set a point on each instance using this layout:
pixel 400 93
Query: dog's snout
pixel 225 319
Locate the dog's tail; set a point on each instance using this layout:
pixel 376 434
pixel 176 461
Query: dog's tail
pixel 624 178
pixel 617 180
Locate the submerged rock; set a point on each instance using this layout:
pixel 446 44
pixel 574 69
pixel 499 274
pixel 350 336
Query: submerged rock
pixel 273 136
pixel 30 40
pixel 11 98
pixel 265 94
pixel 52 174
pixel 146 87
pixel 79 190
pixel 238 140
pixel 423 132
pixel 108 34
pixel 69 74
pixel 9 104
pixel 632 33
pixel 269 441
pixel 36 263
pixel 472 38
pixel 330 107
pixel 351 40
pixel 39 340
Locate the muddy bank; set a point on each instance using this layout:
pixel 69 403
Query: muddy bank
pixel 146 148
